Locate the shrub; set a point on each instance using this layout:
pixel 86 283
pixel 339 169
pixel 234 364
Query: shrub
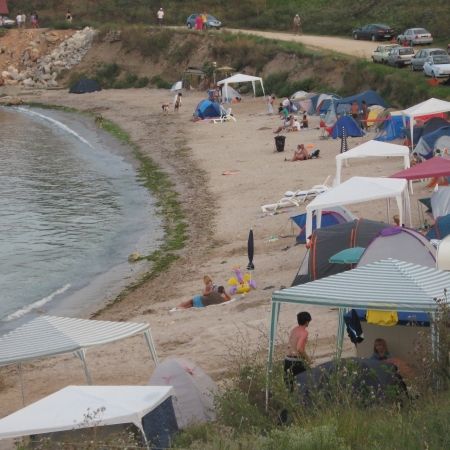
pixel 160 83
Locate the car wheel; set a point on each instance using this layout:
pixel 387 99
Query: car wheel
pixel 355 36
pixel 373 38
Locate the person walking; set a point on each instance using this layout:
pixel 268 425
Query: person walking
pixel 297 24
pixel 160 16
pixel 19 20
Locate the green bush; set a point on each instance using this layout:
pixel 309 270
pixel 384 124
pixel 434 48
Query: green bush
pixel 160 83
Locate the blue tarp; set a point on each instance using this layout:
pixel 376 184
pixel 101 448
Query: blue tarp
pixel 206 108
pixel 371 98
pixel 391 129
pixel 440 229
pixel 328 218
pixel 349 124
pixel 420 319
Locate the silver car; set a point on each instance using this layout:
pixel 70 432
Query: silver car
pixel 421 56
pixel 437 66
pixel 415 36
pixel 380 54
pixel 400 56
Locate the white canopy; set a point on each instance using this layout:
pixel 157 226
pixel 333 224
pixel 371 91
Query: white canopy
pixel 242 78
pixel 358 190
pixel 67 409
pixel 430 106
pixel 372 149
pixel 49 335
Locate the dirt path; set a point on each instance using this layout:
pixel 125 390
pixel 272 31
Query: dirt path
pixel 348 46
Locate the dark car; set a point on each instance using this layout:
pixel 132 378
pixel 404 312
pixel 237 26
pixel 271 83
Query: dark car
pixel 374 32
pixel 211 21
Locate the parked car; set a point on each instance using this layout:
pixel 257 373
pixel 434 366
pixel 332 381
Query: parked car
pixel 6 22
pixel 437 66
pixel 415 36
pixel 374 32
pixel 211 21
pixel 421 56
pixel 380 54
pixel 400 56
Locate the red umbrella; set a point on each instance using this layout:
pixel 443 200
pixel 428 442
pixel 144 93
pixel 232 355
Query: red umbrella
pixel 434 167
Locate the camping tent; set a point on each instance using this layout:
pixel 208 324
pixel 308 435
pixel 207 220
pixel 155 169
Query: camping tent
pixel 430 106
pixel 387 285
pixel 347 125
pixel 229 94
pixel 357 190
pixel 4 7
pixel 429 142
pixel 193 390
pixel 207 108
pixel 85 85
pixel 333 216
pixel 242 78
pixel 400 243
pixel 371 98
pixel 440 202
pixel 73 408
pixel 434 167
pixel 390 128
pixel 325 242
pixel 440 229
pixel 372 149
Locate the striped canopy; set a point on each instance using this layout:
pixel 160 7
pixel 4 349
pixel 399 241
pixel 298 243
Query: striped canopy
pixel 49 335
pixel 384 285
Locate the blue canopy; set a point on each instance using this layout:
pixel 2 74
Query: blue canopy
pixel 207 108
pixel 350 126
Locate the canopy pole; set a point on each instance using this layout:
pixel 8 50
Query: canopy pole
pixel 151 346
pixel 81 355
pixel 275 310
pixel 22 389
pixel 388 211
pixel 340 333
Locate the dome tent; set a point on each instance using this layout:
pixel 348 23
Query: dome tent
pixel 85 85
pixel 207 108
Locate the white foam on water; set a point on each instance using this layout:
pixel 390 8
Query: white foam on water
pixel 55 122
pixel 26 309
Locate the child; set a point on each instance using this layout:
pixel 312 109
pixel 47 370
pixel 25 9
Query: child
pixel 177 102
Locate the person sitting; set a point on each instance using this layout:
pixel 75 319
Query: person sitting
pixel 302 153
pixel 304 123
pixel 201 301
pixel 380 350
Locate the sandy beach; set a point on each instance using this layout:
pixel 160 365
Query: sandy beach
pixel 220 210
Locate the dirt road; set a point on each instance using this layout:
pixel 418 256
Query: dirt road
pixel 348 46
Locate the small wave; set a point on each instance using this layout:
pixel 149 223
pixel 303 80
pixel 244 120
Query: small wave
pixel 26 309
pixel 55 122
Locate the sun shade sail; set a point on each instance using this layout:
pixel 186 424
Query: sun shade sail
pixel 50 335
pixel 348 256
pixel 434 167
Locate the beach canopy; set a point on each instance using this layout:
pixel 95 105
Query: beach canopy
pixel 372 149
pixel 358 190
pixel 348 256
pixel 67 409
pixel 177 86
pixel 49 336
pixel 434 167
pixel 242 78
pixel 430 106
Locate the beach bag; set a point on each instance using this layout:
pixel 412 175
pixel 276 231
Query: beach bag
pixel 279 143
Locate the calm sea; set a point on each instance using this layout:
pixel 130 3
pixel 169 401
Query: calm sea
pixel 71 211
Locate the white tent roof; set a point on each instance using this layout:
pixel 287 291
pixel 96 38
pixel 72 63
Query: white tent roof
pixel 372 149
pixel 389 285
pixel 357 190
pixel 49 335
pixel 239 78
pixel 67 409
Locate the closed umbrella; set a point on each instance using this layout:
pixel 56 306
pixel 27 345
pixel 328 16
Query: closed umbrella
pixel 348 256
pixel 250 250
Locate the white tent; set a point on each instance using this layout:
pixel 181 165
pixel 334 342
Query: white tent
pixel 178 86
pixel 430 106
pixel 49 336
pixel 358 190
pixel 372 149
pixel 68 408
pixel 241 78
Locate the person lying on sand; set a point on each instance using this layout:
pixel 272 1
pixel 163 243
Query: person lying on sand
pixel 302 153
pixel 200 301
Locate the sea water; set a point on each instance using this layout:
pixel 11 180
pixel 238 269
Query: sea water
pixel 71 211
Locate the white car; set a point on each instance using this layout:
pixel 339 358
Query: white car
pixel 415 36
pixel 6 22
pixel 381 53
pixel 437 66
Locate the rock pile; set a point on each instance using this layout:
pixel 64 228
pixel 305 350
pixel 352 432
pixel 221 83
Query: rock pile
pixel 40 71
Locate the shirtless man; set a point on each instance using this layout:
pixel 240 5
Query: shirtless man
pixel 297 360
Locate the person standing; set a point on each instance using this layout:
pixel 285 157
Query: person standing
pixel 270 102
pixel 205 21
pixel 69 17
pixel 24 20
pixel 177 102
pixel 297 360
pixel 297 24
pixel 160 16
pixel 19 20
pixel 364 115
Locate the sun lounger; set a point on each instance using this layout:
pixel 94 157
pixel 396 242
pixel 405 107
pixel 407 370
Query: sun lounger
pixel 225 116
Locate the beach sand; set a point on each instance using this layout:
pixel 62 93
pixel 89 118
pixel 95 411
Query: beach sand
pixel 220 210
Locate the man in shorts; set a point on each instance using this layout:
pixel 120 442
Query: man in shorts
pixel 160 16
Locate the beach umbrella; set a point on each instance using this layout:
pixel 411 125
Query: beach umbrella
pixel 348 256
pixel 250 250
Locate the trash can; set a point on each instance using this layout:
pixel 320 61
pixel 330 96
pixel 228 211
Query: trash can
pixel 279 143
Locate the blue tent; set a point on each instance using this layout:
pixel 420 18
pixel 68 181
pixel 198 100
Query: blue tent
pixel 440 229
pixel 426 144
pixel 391 129
pixel 371 98
pixel 207 108
pixel 349 124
